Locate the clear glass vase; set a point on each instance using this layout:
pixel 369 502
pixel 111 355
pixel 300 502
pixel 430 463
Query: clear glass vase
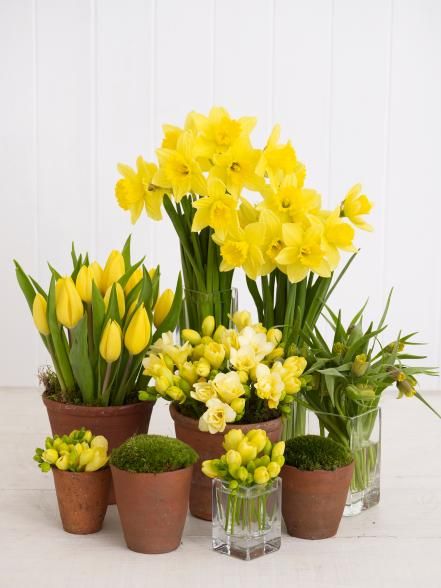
pixel 247 521
pixel 197 305
pixel 362 434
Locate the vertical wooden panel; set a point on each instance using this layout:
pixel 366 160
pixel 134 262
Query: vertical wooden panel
pixel 413 211
pixel 17 179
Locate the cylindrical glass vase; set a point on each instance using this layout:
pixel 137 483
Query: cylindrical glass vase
pixel 247 521
pixel 197 305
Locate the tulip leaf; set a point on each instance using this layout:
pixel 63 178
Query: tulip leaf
pixel 77 268
pixel 147 289
pixel 73 255
pixel 25 284
pixel 98 311
pixel 155 285
pixel 54 272
pixel 126 251
pixel 171 320
pixel 38 287
pixel 112 309
pixel 80 361
pixel 126 277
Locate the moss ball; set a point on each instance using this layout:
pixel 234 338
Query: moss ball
pixel 312 452
pixel 153 454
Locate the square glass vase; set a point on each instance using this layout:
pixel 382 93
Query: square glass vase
pixel 247 522
pixel 362 435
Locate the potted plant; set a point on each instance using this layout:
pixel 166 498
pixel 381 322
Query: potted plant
pixel 82 478
pixel 246 494
pixel 96 324
pixel 152 478
pixel 218 379
pixel 316 478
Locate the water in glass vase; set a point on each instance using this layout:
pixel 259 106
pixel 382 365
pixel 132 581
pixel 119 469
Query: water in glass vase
pixel 247 521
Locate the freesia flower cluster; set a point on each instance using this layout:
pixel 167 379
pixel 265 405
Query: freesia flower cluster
pixel 249 459
pixel 220 374
pixel 78 452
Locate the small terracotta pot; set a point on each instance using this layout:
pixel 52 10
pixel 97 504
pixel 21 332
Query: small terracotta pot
pixel 313 502
pixel 116 423
pixel 209 446
pixel 152 508
pixel 82 499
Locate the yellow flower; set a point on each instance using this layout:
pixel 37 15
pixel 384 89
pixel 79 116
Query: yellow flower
pixel 257 341
pixel 134 279
pixel 247 450
pixel 113 270
pixel 110 344
pixel 261 475
pixel 187 371
pixel 238 405
pixel 258 438
pixel 355 205
pixel 278 160
pixel 215 354
pixel 228 386
pixel 191 336
pixel 98 460
pixel 100 441
pixel 242 319
pixel 216 417
pixel 243 359
pixel 269 385
pixel 303 252
pixel 278 450
pixel 203 391
pixel 292 202
pixel 208 326
pixel 273 469
pixel 97 272
pixel 218 210
pixel 242 248
pixel 337 235
pixel 273 244
pixel 295 365
pixel 210 467
pixel 162 307
pixel 179 170
pixel 247 213
pixel 39 314
pixel 232 439
pixel 84 283
pixel 120 298
pixel 138 332
pixel 233 458
pixel 68 304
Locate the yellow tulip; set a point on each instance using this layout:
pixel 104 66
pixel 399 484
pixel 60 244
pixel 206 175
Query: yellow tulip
pixel 138 332
pixel 39 313
pixel 120 298
pixel 110 344
pixel 97 272
pixel 68 303
pixel 84 283
pixel 114 269
pixel 162 307
pixel 134 279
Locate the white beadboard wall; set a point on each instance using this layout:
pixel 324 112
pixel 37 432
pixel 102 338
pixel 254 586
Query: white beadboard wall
pixel 88 83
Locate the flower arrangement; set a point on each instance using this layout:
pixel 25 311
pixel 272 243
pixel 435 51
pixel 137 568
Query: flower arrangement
pixel 80 451
pixel 96 324
pixel 222 375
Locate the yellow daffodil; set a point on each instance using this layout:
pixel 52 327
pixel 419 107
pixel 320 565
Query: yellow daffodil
pixel 247 213
pixel 218 210
pixel 279 160
pixel 242 248
pixel 273 239
pixel 172 133
pixel 337 235
pixel 179 170
pixel 292 202
pixel 302 253
pixel 355 206
pixel 39 314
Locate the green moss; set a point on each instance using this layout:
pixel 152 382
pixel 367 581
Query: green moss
pixel 311 452
pixel 153 454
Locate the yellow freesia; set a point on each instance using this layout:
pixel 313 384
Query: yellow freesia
pixel 279 160
pixel 110 344
pixel 138 332
pixel 302 252
pixel 68 304
pixel 119 296
pixel 179 170
pixel 218 210
pixel 355 206
pixel 242 248
pixel 163 306
pixel 39 314
pixel 113 270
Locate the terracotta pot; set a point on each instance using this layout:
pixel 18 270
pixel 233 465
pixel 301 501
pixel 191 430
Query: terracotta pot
pixel 209 446
pixel 313 502
pixel 82 499
pixel 152 508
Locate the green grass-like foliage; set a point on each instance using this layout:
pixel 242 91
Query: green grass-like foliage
pixel 312 452
pixel 153 454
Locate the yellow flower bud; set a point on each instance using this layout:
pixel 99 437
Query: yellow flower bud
pixel 50 456
pixel 187 371
pixel 83 283
pixel 62 462
pixel 134 279
pixel 261 475
pixel 258 438
pixel 85 457
pixel 274 336
pixel 210 468
pixel 97 272
pixel 152 272
pixel 278 449
pixel 241 474
pixel 79 448
pixel 279 459
pixel 241 319
pixel 191 336
pixel 162 307
pixel 100 441
pixel 276 353
pixel 176 394
pixel 110 344
pixel 219 333
pixel 273 469
pixel 88 436
pixel 198 352
pixel 68 303
pixel 232 439
pixel 243 376
pixel 360 365
pixel 238 405
pixel 247 451
pixel 114 269
pixel 39 313
pixel 99 459
pixel 233 458
pixel 208 325
pixel 215 354
pixel 120 298
pixel 138 332
pixel 203 368
pixel 162 384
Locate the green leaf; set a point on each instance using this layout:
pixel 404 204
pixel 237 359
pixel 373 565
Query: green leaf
pixel 126 251
pixel 54 272
pixel 424 401
pixel 73 255
pixel 155 285
pixel 79 359
pixel 331 372
pixel 254 291
pixel 128 274
pixel 25 284
pixel 98 312
pixel 38 287
pixel 386 309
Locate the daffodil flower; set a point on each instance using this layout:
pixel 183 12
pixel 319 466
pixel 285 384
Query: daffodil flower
pixel 355 206
pixel 218 210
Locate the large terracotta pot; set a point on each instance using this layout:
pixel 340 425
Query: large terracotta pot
pixel 313 502
pixel 82 499
pixel 209 446
pixel 152 508
pixel 116 423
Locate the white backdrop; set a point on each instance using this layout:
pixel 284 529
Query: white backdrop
pixel 87 83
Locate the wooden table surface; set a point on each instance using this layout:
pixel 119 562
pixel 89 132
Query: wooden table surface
pixel 397 543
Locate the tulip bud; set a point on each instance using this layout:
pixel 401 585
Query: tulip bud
pixel 215 354
pixel 62 462
pixel 134 279
pixel 68 303
pixel 278 450
pixel 176 394
pixel 247 451
pixel 110 344
pixel 258 438
pixel 238 405
pixel 97 272
pixel 208 325
pixel 99 459
pixel 274 336
pixel 191 336
pixel 261 475
pixel 138 332
pixel 232 439
pixel 114 269
pixel 273 469
pixel 100 441
pixel 83 283
pixel 120 298
pixel 203 367
pixel 162 307
pixel 360 365
pixel 233 458
pixel 39 313
pixel 50 456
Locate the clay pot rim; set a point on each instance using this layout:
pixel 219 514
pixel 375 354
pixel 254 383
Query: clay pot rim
pixel 148 475
pixel 82 409
pixel 192 424
pixel 310 473
pixel 88 474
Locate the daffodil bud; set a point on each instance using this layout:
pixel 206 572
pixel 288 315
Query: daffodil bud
pixel 273 469
pixel 176 394
pixel 261 475
pixel 247 450
pixel 138 332
pixel 134 279
pixel 215 354
pixel 50 456
pixel 99 459
pixel 100 441
pixel 190 335
pixel 39 314
pixel 203 367
pixel 83 283
pixel 278 449
pixel 238 405
pixel 162 307
pixel 360 365
pixel 274 336
pixel 208 325
pixel 113 270
pixel 97 272
pixel 68 303
pixel 62 462
pixel 120 298
pixel 232 439
pixel 110 344
pixel 233 458
pixel 258 438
